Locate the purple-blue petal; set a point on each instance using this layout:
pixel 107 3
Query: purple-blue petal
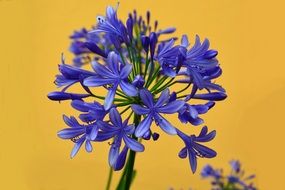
pixel 77 146
pixel 113 155
pixel 69 133
pixel 95 81
pixel 183 153
pixel 144 126
pixel 121 159
pixel 165 125
pixel 110 97
pixel 171 107
pixel 115 117
pixel 146 97
pixel 128 88
pixel 88 146
pixel 163 98
pixel 133 144
pixel 139 109
pixel 127 69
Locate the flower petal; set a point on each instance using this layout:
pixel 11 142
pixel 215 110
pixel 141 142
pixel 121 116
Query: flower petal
pixel 115 117
pixel 183 153
pixel 139 109
pixel 77 146
pixel 113 62
pixel 113 155
pixel 205 151
pixel 110 97
pixel 103 136
pixel 144 126
pixel 88 146
pixel 121 159
pixel 126 71
pixel 163 98
pixel 94 132
pixel 171 107
pixel 146 97
pixel 132 144
pixel 95 81
pixel 128 88
pixel 192 160
pixel 69 133
pixel 102 70
pixel 165 125
pixel 71 122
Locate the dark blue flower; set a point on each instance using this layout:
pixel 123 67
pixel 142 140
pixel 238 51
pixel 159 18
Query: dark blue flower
pixel 79 134
pixel 118 130
pixel 153 111
pixel 194 149
pixel 113 74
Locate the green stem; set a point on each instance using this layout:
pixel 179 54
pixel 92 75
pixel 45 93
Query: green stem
pixel 132 157
pixel 123 59
pixel 168 84
pixel 151 77
pixel 109 179
pixel 146 65
pixel 158 83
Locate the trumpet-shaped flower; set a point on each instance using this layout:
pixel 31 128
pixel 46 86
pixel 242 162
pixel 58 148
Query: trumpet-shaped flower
pixel 113 74
pixel 153 110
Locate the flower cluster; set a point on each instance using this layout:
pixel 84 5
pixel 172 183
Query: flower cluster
pixel 137 66
pixel 234 181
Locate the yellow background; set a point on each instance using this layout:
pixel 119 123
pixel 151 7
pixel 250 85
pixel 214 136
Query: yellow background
pixel 250 123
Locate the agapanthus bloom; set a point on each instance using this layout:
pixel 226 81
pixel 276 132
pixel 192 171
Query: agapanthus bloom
pixel 236 180
pixel 138 71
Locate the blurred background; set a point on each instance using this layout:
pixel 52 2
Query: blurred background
pixel 249 36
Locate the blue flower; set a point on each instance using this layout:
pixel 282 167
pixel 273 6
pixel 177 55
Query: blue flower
pixel 71 75
pixel 153 111
pixel 111 25
pixel 167 56
pixel 190 113
pixel 119 131
pixel 92 111
pixel 194 149
pixel 199 61
pixel 209 171
pixel 113 74
pixel 235 179
pixel 79 134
